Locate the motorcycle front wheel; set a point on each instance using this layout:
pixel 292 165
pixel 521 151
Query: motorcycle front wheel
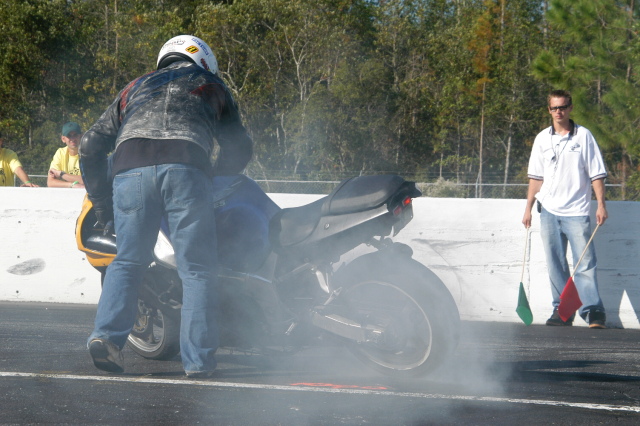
pixel 155 335
pixel 412 318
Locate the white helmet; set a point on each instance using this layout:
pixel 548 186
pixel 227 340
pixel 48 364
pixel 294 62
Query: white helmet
pixel 190 48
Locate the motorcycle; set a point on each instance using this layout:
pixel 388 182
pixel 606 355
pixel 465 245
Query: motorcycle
pixel 289 277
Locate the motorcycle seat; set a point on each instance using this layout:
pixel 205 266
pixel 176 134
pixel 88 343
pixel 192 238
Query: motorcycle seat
pixel 291 226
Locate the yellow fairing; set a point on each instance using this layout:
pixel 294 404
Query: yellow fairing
pixel 84 224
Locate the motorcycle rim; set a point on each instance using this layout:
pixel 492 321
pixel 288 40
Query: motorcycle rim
pixel 412 319
pixel 407 340
pixel 155 335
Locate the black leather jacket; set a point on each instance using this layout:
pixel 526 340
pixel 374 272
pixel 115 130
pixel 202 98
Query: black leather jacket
pixel 179 102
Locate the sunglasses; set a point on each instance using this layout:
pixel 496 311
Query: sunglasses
pixel 561 108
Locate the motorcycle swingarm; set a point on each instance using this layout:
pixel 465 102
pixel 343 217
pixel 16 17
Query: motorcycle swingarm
pixel 346 328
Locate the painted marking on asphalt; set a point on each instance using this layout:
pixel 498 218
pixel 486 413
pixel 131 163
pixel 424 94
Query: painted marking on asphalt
pixel 340 390
pixel 337 386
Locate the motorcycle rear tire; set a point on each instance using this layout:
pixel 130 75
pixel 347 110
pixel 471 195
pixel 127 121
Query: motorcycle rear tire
pixel 410 303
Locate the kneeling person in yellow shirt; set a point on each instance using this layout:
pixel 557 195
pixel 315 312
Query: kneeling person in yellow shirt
pixel 64 171
pixel 10 165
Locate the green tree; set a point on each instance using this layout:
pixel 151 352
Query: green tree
pixel 598 62
pixel 514 97
pixel 65 60
pixel 452 103
pixel 330 87
pixel 276 56
pixel 32 33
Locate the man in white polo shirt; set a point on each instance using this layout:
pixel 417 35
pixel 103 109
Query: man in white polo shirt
pixel 565 164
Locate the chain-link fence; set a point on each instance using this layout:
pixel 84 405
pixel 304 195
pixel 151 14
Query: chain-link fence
pixel 441 189
pixel 40 180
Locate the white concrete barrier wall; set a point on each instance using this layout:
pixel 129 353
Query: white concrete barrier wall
pixel 476 246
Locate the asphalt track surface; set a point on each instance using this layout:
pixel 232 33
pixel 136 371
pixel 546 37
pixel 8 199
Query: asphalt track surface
pixel 502 373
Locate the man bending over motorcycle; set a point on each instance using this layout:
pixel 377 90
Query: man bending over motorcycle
pixel 161 130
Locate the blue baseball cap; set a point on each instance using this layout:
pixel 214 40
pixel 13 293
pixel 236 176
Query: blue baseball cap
pixel 70 127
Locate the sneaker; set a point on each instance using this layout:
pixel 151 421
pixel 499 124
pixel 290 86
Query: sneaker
pixel 106 356
pixel 597 319
pixel 199 374
pixel 555 320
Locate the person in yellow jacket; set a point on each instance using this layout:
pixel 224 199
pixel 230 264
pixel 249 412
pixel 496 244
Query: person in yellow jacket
pixel 64 171
pixel 10 165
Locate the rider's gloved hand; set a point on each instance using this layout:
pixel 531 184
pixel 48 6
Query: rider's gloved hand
pixel 109 228
pixel 104 215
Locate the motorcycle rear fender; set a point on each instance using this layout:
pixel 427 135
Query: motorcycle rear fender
pixel 381 203
pixel 340 234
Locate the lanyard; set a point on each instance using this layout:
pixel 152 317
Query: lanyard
pixel 555 160
pixel 556 155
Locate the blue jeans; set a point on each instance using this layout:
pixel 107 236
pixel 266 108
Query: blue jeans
pixel 556 231
pixel 141 197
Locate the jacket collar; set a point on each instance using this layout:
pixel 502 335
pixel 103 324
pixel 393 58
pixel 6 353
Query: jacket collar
pixel 572 132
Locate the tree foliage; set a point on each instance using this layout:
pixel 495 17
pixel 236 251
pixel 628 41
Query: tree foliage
pixel 437 89
pixel 597 59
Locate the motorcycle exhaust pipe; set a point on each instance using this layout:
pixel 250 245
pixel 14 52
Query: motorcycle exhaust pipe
pixel 346 328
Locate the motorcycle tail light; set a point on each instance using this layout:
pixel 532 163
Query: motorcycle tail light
pixel 398 209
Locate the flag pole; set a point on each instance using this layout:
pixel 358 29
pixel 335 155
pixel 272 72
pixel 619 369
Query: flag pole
pixel 570 299
pixel 524 310
pixel 585 250
pixel 524 257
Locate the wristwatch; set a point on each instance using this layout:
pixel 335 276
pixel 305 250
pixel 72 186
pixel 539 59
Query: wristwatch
pixel 62 174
